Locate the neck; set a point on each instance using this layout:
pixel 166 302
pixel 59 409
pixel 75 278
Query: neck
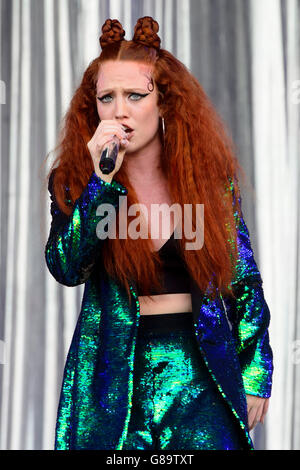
pixel 143 166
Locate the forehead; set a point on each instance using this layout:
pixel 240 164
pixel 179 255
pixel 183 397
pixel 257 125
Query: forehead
pixel 123 74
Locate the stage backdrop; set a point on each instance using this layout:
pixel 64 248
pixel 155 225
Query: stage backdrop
pixel 245 53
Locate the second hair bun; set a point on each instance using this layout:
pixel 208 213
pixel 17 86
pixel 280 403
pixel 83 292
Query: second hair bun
pixel 145 32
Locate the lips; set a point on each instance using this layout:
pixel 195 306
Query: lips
pixel 127 128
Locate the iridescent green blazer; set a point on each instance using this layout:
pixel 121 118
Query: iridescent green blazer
pixel 97 390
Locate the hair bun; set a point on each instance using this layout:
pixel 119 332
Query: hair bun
pixel 112 31
pixel 145 32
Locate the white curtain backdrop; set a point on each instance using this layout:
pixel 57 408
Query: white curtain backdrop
pixel 276 150
pixel 248 62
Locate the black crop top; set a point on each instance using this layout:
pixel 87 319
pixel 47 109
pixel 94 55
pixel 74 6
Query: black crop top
pixel 174 274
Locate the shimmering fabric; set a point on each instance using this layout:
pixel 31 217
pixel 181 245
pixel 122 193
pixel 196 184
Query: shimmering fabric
pixel 73 246
pixel 176 404
pixel 97 392
pixel 249 316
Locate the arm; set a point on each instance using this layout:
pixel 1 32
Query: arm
pixel 249 315
pixel 73 246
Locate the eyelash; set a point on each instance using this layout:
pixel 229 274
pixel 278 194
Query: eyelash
pixel 138 94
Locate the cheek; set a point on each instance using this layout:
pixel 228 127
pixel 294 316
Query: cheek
pixel 100 112
pixel 103 112
pixel 150 116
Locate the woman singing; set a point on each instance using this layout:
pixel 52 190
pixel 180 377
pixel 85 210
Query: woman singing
pixel 171 348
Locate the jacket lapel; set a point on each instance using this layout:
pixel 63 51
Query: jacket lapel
pixel 217 347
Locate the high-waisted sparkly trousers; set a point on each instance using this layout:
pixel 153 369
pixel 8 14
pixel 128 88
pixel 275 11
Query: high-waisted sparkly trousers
pixel 176 404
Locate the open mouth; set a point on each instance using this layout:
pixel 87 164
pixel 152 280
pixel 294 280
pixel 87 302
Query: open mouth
pixel 128 131
pixel 126 128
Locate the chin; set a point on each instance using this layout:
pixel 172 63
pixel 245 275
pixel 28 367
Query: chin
pixel 133 147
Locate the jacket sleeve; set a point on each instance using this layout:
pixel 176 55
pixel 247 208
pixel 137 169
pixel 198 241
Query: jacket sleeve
pixel 73 246
pixel 249 316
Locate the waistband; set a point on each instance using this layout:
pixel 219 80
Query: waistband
pixel 165 322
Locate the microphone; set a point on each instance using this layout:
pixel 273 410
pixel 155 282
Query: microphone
pixel 109 156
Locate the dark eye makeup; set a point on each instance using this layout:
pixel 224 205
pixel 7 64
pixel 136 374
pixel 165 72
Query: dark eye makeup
pixel 138 94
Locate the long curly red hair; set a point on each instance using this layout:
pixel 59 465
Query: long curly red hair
pixel 198 161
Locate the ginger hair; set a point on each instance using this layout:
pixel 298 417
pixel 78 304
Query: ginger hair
pixel 198 161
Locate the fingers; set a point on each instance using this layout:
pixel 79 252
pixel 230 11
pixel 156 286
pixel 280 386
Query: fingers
pixel 252 419
pixel 124 142
pixel 265 410
pixel 108 127
pixel 105 132
pixel 257 409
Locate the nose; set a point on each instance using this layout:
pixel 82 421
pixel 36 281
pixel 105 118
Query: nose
pixel 120 107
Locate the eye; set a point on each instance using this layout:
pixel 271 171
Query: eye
pixel 139 96
pixel 103 98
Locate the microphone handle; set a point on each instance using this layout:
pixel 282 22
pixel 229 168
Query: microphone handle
pixel 109 156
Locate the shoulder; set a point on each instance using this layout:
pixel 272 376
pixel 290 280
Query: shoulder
pixel 66 189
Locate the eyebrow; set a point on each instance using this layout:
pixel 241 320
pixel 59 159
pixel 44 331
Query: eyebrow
pixel 109 90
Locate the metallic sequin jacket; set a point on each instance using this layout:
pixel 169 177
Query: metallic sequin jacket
pixel 96 396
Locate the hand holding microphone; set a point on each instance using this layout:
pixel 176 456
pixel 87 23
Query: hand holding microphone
pixel 109 156
pixel 107 148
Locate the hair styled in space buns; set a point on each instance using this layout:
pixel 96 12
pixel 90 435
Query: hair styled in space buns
pixel 198 159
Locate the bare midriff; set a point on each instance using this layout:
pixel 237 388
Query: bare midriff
pixel 165 303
